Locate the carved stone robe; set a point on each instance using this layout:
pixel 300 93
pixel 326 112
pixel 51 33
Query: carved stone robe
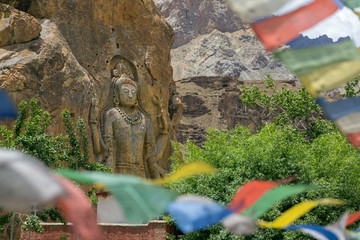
pixel 128 142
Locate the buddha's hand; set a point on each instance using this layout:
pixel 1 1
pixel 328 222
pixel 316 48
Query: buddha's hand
pixel 94 110
pixel 160 172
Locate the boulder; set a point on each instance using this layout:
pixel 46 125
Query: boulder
pixel 47 70
pixel 17 26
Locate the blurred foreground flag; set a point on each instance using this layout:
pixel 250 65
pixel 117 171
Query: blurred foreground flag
pixel 273 196
pixel 335 231
pixel 297 211
pixel 346 115
pixel 239 225
pixel 352 218
pixel 77 209
pixel 249 193
pixel 253 9
pixel 276 31
pixel 303 61
pixel 187 170
pixel 192 212
pixel 330 77
pixel 353 4
pixel 7 109
pixel 140 200
pixel 24 180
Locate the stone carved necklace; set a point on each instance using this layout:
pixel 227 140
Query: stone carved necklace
pixel 130 120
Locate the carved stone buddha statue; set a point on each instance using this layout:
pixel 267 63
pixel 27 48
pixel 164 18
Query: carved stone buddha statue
pixel 128 132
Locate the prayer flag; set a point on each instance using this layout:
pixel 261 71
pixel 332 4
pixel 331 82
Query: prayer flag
pixel 316 231
pixel 250 10
pixel 346 115
pixel 330 77
pixel 191 212
pixel 249 193
pixel 297 211
pixel 275 31
pixel 341 108
pixel 273 196
pixel 305 60
pixel 77 209
pixel 7 109
pixel 353 4
pixel 352 218
pixel 140 200
pixel 353 236
pixel 187 170
pixel 335 231
pixel 239 225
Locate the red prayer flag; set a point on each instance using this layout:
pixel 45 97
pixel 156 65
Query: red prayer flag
pixel 275 31
pixel 77 209
pixel 249 193
pixel 352 218
pixel 354 139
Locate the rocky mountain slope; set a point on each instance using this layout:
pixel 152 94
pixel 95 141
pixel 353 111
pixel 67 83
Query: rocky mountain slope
pixel 214 53
pixel 210 40
pixel 237 54
pixel 192 18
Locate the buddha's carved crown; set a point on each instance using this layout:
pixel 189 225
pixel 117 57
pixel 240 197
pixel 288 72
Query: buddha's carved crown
pixel 124 79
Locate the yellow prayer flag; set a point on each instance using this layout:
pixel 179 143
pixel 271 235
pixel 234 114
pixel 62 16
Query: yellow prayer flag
pixel 187 170
pixel 297 211
pixel 330 77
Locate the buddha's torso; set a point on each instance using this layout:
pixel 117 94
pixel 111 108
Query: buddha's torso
pixel 129 138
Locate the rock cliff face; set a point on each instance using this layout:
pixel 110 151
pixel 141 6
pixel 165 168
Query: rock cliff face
pixel 46 69
pixel 192 18
pixel 17 26
pixel 237 54
pixel 210 40
pixel 71 62
pixel 214 102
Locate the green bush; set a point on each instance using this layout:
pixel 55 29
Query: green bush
pixel 29 134
pixel 288 107
pixel 273 153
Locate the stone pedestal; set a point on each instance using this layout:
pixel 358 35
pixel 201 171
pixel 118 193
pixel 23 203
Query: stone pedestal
pixel 154 230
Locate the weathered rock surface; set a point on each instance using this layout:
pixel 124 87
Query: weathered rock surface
pixel 46 69
pixel 191 18
pixel 220 106
pixel 22 5
pixel 17 26
pixel 211 40
pixel 237 54
pixel 69 72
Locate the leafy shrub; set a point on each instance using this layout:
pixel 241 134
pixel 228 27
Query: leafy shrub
pixel 273 153
pixel 29 134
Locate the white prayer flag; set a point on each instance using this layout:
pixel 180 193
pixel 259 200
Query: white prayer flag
pixel 253 9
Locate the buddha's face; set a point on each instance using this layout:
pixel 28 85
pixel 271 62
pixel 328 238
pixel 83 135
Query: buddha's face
pixel 128 95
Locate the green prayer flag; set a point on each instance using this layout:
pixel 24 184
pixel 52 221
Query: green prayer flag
pixel 140 200
pixel 303 61
pixel 352 3
pixel 273 196
pixel 353 235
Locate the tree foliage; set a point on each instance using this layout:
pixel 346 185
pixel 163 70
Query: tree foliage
pixel 287 107
pixel 299 141
pixel 29 134
pixel 273 153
